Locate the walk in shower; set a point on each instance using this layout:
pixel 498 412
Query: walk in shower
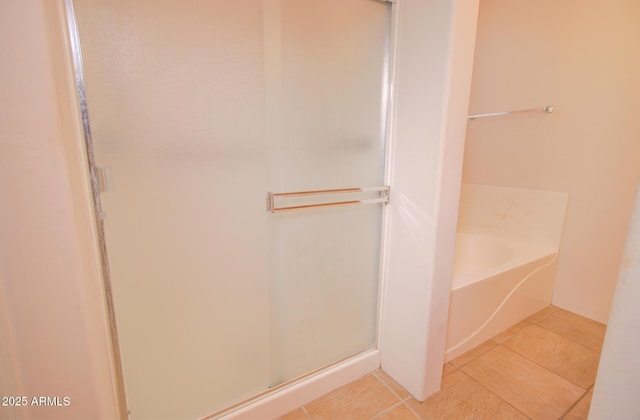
pixel 224 139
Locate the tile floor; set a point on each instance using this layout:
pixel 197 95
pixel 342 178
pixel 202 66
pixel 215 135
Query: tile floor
pixel 542 368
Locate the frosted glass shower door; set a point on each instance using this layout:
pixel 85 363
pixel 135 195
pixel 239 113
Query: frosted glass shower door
pixel 198 109
pixel 175 92
pixel 331 82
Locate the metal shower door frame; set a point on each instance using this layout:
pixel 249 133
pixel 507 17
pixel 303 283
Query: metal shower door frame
pixel 97 182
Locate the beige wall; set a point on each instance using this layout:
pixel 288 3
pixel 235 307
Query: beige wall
pixel 580 56
pixel 615 394
pixel 48 274
pixel 54 324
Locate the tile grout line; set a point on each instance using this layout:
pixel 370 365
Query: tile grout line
pixel 401 401
pixel 568 338
pixel 520 331
pixel 493 393
pixel 450 372
pixel 546 368
pixel 538 321
pixel 404 402
pixel 386 410
pixel 387 386
pixel 533 361
pixel 576 402
pixel 557 309
pixel 476 356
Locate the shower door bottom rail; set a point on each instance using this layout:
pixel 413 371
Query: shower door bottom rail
pixel 357 195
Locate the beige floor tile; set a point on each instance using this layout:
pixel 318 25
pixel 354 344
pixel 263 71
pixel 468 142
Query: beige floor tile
pixel 530 388
pixel 581 410
pixel 399 412
pixel 448 368
pixel 540 315
pixel 360 399
pixel 298 414
pixel 577 328
pixel 391 383
pixel 511 331
pixel 465 358
pixel 529 370
pixel 560 355
pixel 463 398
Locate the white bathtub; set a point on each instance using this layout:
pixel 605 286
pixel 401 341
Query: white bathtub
pixel 497 282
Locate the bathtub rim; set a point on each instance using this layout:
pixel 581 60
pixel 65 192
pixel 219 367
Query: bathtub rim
pixel 523 253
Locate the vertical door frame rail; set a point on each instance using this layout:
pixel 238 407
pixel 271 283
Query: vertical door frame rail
pixel 94 175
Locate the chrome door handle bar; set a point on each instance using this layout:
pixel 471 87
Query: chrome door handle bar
pixel 381 195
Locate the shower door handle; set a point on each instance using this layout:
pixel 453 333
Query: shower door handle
pixel 292 201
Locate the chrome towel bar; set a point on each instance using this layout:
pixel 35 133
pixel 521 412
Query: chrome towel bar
pixel 381 195
pixel 548 109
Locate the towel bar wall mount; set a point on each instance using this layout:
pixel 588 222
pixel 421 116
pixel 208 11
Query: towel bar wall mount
pixel 547 109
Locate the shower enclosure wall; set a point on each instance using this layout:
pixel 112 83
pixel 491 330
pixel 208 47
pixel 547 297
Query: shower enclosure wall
pixel 197 111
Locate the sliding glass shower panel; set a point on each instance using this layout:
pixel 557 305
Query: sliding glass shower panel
pixel 198 108
pixel 176 99
pixel 324 262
